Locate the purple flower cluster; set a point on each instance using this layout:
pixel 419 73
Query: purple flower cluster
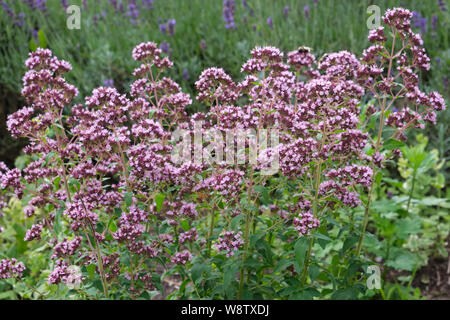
pixel 228 183
pixel 182 257
pixel 11 268
pixel 40 5
pixel 230 242
pixel 286 11
pixel 66 248
pixel 419 22
pixel 228 13
pixel 33 233
pixel 60 272
pixel 305 222
pixel 189 236
pixel 168 26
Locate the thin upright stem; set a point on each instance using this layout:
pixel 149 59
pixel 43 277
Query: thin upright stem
pixel 377 149
pixel 244 257
pixel 211 230
pixel 412 190
pixel 315 207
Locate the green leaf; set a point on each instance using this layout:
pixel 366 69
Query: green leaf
pixel 91 270
pixel 128 198
pixel 42 39
pixel 33 45
pixel 197 271
pixel 263 194
pixel 406 261
pixel 112 226
pixel 235 222
pixel 20 235
pixel 159 200
pixel 281 265
pixel 322 237
pixel 392 144
pixel 229 277
pixel 8 295
pixel 56 182
pixel 408 226
pixel 57 221
pixel 185 225
pixel 314 272
pixel 431 201
pixel 307 294
pixel 300 249
pixel 349 242
pixel 345 294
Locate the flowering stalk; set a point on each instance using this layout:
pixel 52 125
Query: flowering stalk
pixel 315 205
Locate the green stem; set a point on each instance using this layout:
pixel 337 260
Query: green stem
pixel 244 256
pixel 308 256
pixel 102 272
pixel 315 203
pixel 365 222
pixel 412 190
pixel 100 264
pixel 211 230
pixel 377 148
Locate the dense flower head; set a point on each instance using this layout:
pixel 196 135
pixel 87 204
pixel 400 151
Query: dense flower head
pixel 353 174
pixel 305 222
pixel 399 18
pixel 377 35
pixel 302 57
pixel 147 51
pixel 11 268
pixel 228 183
pixel 229 242
pixel 188 236
pixel 215 84
pixel 34 233
pixel 182 257
pixel 339 64
pixel 59 273
pixel 66 248
pixel 267 54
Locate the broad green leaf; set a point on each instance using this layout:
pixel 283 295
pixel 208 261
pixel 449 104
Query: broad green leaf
pixel 128 198
pixel 392 144
pixel 407 227
pixel 300 249
pixel 159 200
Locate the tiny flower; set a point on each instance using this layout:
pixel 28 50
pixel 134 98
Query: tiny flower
pixel 269 22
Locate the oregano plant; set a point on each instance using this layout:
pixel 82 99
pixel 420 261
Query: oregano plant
pixel 132 193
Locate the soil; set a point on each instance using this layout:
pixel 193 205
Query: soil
pixel 434 279
pixel 10 148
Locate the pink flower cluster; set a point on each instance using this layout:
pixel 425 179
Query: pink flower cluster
pixel 230 242
pixel 305 222
pixel 11 268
